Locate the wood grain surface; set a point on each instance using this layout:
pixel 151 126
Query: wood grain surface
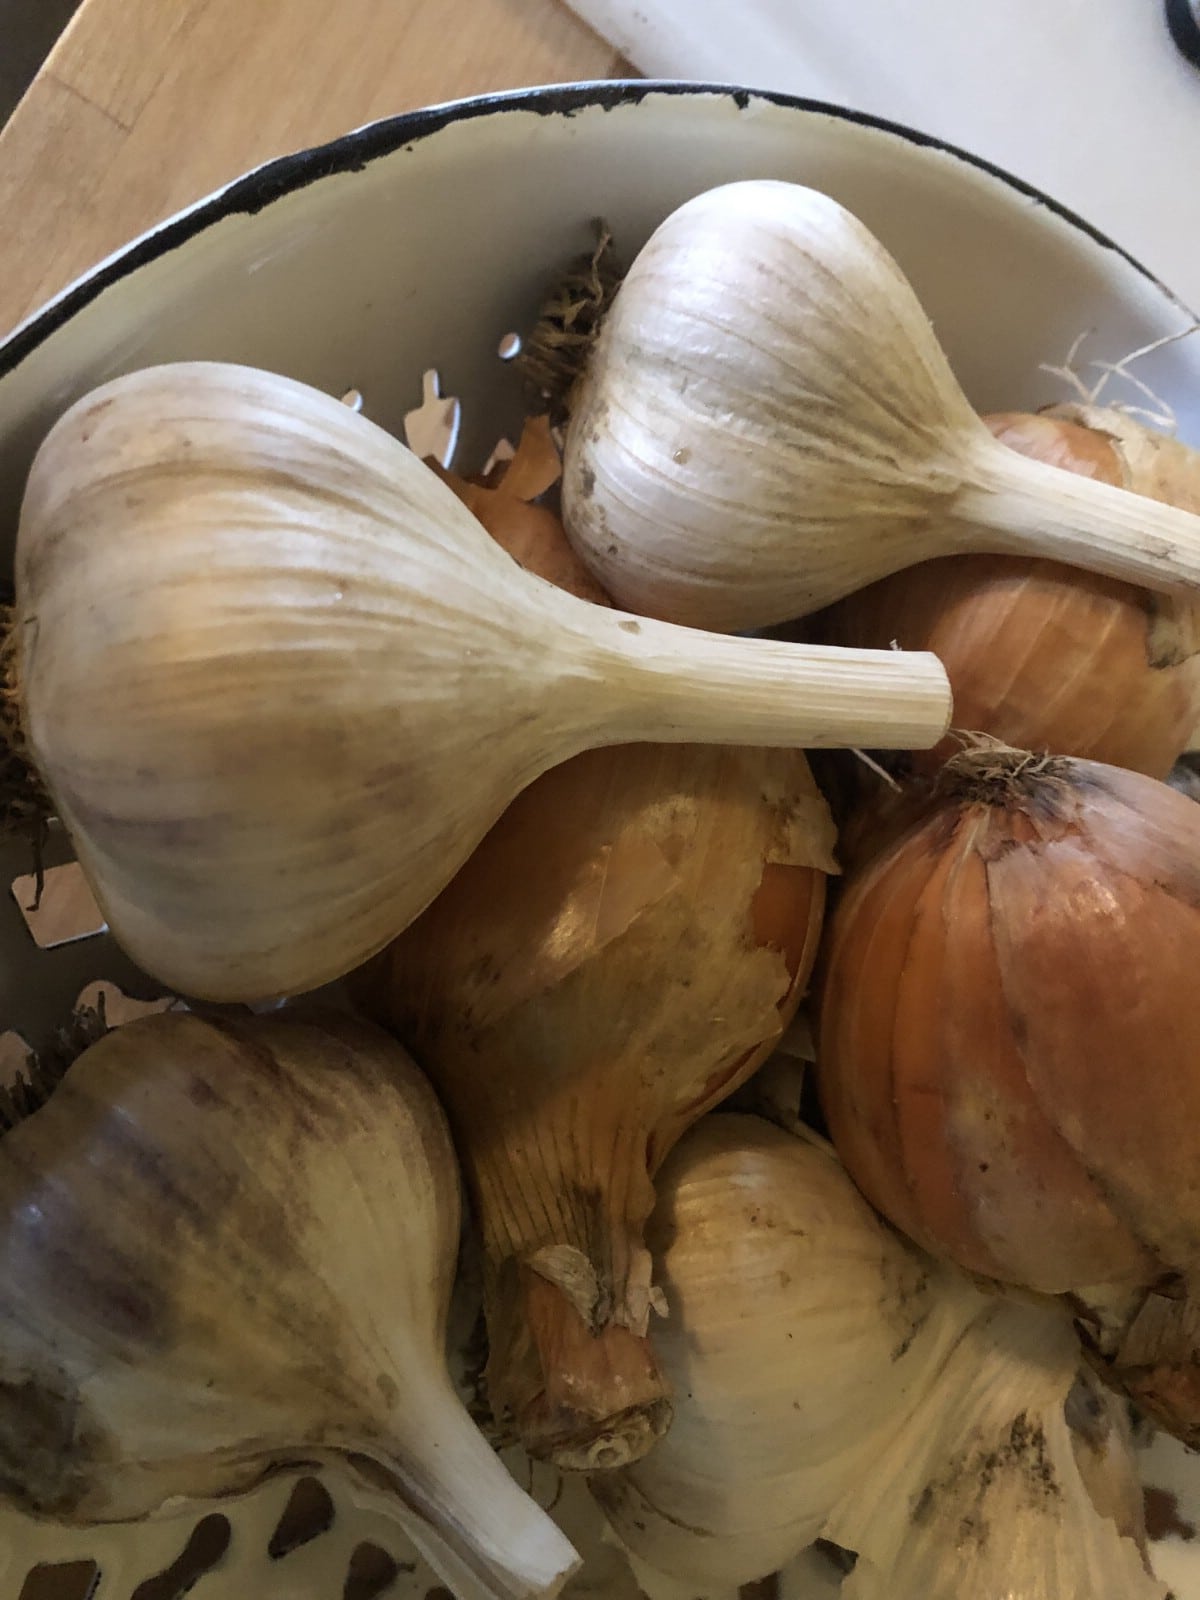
pixel 146 105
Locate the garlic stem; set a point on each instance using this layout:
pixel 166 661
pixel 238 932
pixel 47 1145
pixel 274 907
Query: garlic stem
pixel 690 686
pixel 462 1508
pixel 1029 508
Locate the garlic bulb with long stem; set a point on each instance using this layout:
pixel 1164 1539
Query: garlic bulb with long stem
pixel 617 956
pixel 767 423
pixel 1009 1019
pixel 1041 655
pixel 279 682
pixel 833 1382
pixel 227 1247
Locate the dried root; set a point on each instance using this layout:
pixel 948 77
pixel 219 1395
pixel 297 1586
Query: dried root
pixel 556 352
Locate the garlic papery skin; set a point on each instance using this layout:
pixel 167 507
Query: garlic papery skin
pixel 800 1331
pixel 1147 1346
pixel 619 954
pixel 280 681
pixel 1008 1023
pixel 979 1493
pixel 767 423
pixel 228 1247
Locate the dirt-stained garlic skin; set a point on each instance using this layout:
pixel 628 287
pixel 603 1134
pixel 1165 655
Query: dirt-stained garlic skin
pixel 767 424
pixel 229 1246
pixel 799 1329
pixel 1009 1022
pixel 618 955
pixel 279 681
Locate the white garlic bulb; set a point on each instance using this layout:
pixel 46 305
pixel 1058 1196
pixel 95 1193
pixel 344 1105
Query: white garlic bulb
pixel 279 681
pixel 768 423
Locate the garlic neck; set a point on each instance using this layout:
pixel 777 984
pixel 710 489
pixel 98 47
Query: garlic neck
pixel 441 1480
pixel 682 685
pixel 1024 507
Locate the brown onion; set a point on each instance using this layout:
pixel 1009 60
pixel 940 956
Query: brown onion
pixel 618 955
pixel 1009 1037
pixel 1042 655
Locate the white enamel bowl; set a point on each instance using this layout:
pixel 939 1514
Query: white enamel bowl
pixel 419 242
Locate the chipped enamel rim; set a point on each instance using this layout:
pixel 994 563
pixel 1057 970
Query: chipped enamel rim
pixel 354 151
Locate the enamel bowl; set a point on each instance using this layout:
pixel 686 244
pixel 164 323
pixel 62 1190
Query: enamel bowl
pixel 419 244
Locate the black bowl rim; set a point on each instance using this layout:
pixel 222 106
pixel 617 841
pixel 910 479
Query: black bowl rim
pixel 352 152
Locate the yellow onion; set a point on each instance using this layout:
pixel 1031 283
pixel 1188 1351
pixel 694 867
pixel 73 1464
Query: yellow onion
pixel 1042 655
pixel 507 504
pixel 616 957
pixel 227 1247
pixel 1151 463
pixel 1009 1021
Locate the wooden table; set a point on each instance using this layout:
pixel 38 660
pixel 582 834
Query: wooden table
pixel 145 105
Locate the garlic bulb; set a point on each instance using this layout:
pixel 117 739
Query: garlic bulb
pixel 1009 1019
pixel 980 1493
pixel 279 682
pixel 767 423
pixel 226 1247
pixel 832 1382
pixel 617 956
pixel 799 1331
pixel 1041 655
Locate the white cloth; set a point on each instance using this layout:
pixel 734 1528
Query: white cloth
pixel 1087 99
